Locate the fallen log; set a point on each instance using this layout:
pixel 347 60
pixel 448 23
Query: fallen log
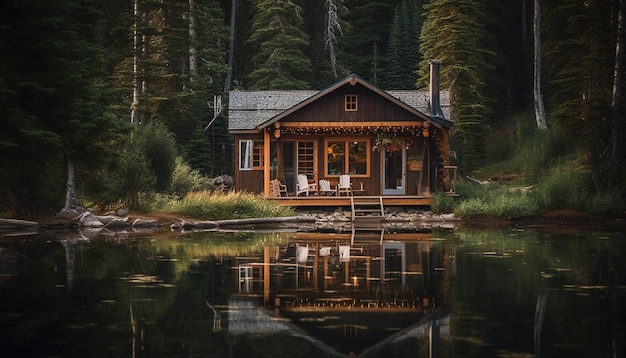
pixel 210 224
pixel 14 224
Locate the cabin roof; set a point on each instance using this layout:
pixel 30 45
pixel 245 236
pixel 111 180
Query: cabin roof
pixel 254 110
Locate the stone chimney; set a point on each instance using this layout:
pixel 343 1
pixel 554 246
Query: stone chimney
pixel 435 102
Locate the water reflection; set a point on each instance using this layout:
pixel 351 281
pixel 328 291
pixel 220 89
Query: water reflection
pixel 368 292
pixel 347 290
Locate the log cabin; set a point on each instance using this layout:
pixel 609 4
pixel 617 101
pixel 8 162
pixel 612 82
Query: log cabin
pixel 392 144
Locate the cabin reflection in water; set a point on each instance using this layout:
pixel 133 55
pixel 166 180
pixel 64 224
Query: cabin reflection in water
pixel 349 290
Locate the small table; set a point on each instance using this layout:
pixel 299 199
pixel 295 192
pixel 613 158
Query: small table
pixel 358 191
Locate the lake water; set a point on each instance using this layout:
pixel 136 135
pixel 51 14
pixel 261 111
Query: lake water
pixel 361 292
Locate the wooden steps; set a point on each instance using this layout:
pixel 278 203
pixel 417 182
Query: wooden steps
pixel 367 207
pixel 363 235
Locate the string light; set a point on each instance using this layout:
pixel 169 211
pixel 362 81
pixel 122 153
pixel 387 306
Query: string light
pixel 414 131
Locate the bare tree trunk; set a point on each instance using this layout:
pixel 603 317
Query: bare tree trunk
pixel 193 63
pixel 70 189
pixel 134 114
pixel 330 37
pixel 231 46
pixel 616 144
pixel 540 114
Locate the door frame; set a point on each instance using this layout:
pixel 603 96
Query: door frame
pixel 400 189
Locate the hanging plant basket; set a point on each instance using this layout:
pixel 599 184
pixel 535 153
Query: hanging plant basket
pixel 416 163
pixel 416 166
pixel 390 142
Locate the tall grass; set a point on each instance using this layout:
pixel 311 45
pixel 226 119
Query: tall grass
pixel 220 206
pixel 554 171
pixel 494 200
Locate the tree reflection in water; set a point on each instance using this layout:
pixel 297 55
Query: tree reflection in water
pixel 370 292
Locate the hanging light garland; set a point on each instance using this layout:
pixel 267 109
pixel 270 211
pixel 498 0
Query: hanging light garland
pixel 424 131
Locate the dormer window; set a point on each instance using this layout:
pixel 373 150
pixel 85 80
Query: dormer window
pixel 351 103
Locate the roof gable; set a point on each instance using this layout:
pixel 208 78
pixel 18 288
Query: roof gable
pixel 255 110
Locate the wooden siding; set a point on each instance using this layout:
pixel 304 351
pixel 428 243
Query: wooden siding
pixel 371 107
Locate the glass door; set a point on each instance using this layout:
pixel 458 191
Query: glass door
pixel 394 171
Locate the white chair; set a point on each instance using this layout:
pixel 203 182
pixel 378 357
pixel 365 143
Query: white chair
pixel 303 186
pixel 344 186
pixel 325 188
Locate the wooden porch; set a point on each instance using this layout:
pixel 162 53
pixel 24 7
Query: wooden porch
pixel 345 201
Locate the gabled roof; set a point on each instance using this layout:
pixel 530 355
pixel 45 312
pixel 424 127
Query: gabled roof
pixel 255 110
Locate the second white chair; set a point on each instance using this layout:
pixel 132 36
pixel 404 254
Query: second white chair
pixel 325 188
pixel 345 186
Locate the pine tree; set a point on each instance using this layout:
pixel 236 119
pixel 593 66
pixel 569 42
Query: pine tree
pixel 403 55
pixel 323 25
pixel 579 47
pixel 280 62
pixel 366 30
pixel 57 121
pixel 454 34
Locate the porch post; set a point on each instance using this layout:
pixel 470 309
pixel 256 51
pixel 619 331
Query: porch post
pixel 266 164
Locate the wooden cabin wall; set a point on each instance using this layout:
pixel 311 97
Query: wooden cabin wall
pixel 371 107
pixel 247 180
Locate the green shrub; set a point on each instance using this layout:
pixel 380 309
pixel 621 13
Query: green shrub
pixel 494 200
pixel 186 180
pixel 443 204
pixel 608 203
pixel 562 189
pixel 471 208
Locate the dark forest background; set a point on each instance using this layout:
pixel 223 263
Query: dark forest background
pixel 119 92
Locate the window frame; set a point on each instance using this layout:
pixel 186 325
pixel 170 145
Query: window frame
pixel 351 102
pixel 251 154
pixel 346 161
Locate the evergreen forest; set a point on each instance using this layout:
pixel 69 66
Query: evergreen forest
pixel 104 100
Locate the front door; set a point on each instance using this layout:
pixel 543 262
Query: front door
pixel 394 172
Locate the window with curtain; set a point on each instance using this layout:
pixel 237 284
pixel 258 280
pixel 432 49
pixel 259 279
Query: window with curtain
pixel 250 155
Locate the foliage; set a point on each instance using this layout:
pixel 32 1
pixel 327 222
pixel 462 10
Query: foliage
pixel 390 142
pixel 171 91
pixel 443 204
pixel 185 179
pixel 280 42
pixel 454 33
pixel 208 205
pixel 145 165
pixel 76 102
pixel 608 203
pixel 497 202
pixel 554 170
pixel 368 25
pixel 563 188
pixel 53 101
pixel 520 147
pixel 401 62
pixel 579 90
pixel 159 148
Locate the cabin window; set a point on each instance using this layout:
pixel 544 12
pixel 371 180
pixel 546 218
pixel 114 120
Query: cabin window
pixel 347 156
pixel 351 103
pixel 306 158
pixel 250 155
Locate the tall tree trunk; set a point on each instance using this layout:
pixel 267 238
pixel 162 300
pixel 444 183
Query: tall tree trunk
pixel 616 144
pixel 193 63
pixel 70 189
pixel 540 114
pixel 231 46
pixel 330 37
pixel 134 114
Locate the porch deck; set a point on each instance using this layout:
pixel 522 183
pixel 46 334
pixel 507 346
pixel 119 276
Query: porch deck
pixel 344 201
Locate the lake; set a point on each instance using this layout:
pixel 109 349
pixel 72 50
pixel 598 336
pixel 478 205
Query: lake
pixel 366 292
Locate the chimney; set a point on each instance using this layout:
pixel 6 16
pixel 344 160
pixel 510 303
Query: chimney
pixel 435 103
